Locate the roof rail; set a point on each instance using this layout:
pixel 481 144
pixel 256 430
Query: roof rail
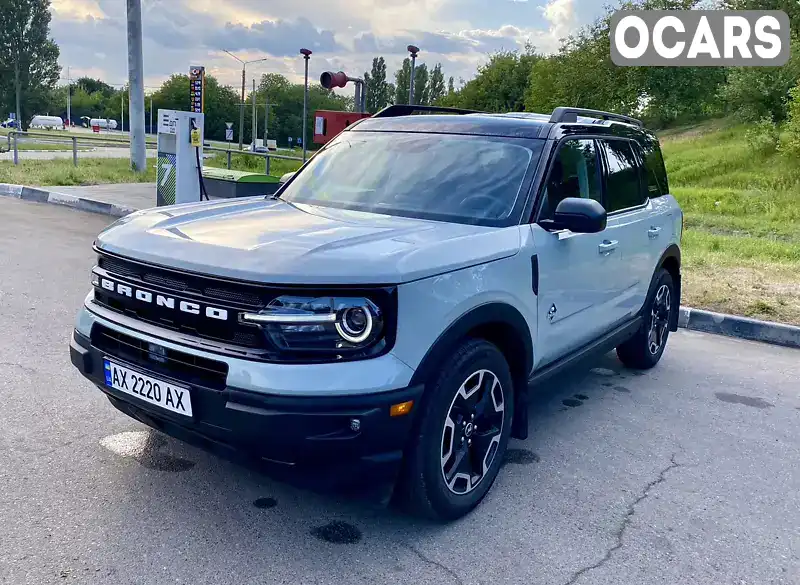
pixel 563 114
pixel 407 110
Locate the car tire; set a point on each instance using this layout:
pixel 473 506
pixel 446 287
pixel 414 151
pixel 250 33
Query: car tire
pixel 644 350
pixel 458 445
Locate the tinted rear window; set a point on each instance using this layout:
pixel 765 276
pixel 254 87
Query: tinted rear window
pixel 654 167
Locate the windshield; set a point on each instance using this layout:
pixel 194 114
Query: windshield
pixel 470 179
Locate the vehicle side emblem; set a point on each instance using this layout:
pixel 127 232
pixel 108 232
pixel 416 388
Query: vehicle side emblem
pixel 552 313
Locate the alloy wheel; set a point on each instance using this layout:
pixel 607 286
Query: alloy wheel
pixel 472 431
pixel 659 319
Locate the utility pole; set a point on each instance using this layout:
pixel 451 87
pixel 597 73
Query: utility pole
pixel 241 113
pixel 306 56
pixel 267 106
pixel 242 105
pixel 122 110
pixel 18 92
pixel 255 119
pixel 136 84
pixel 414 52
pixel 69 96
pixel 151 115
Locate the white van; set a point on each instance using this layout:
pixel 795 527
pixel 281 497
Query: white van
pixel 47 122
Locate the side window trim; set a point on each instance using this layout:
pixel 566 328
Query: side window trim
pixel 536 212
pixel 640 168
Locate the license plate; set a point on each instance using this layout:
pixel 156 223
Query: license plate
pixel 158 392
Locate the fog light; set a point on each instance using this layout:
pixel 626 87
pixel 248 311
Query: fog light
pixel 355 425
pixel 401 409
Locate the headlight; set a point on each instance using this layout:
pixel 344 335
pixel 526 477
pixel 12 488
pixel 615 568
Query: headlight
pixel 344 325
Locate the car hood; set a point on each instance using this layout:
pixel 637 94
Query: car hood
pixel 273 241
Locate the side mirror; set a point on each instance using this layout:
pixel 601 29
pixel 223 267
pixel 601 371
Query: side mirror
pixel 582 216
pixel 285 178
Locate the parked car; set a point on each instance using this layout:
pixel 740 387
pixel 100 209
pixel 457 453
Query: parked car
pixel 383 317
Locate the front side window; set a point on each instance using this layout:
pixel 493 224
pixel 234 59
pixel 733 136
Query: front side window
pixel 574 173
pixel 624 187
pixel 467 179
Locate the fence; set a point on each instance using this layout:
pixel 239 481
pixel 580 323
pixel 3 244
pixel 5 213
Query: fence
pixel 78 142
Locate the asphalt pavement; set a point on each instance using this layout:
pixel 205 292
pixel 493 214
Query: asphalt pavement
pixel 686 474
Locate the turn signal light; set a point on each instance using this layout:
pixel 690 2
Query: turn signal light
pixel 401 409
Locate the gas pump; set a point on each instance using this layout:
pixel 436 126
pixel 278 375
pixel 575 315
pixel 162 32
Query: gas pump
pixel 180 145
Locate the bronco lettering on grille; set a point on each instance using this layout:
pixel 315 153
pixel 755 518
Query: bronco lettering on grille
pixel 145 296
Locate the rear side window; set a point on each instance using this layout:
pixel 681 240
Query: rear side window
pixel 575 172
pixel 623 177
pixel 654 167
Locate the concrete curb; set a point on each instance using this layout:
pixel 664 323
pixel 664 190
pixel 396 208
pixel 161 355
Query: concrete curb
pixel 56 198
pixel 692 319
pixel 740 327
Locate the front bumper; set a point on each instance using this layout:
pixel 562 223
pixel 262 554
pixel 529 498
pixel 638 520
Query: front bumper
pixel 310 439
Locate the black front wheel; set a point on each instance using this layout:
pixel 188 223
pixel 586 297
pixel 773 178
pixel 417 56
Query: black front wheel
pixel 645 348
pixel 462 437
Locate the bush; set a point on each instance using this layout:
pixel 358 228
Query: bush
pixel 790 142
pixel 763 137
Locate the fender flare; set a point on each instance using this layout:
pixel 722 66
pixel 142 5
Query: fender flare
pixel 673 251
pixel 496 313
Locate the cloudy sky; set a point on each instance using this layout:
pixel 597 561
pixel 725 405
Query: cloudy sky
pixel 344 34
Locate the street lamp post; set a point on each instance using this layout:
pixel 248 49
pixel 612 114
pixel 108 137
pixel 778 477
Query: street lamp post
pixel 414 52
pixel 306 56
pixel 241 106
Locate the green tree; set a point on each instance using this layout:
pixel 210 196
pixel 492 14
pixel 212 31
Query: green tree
pixel 421 85
pixel 451 86
pixel 221 103
pixel 499 85
pixel 402 82
pixel 91 86
pixel 790 7
pixel 286 111
pixel 378 96
pixel 437 87
pixel 28 57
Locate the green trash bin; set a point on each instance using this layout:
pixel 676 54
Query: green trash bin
pixel 225 183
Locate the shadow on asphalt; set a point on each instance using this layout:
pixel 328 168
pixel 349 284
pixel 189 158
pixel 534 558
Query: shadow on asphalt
pixel 211 490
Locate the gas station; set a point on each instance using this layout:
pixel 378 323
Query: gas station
pixel 181 177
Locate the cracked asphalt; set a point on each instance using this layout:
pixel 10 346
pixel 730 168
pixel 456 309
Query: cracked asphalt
pixel 686 474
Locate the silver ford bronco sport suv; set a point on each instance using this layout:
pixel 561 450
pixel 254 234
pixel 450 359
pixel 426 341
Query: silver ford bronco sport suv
pixel 381 319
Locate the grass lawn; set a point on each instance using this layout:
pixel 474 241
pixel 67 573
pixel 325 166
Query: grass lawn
pixel 90 171
pixel 243 162
pixel 28 146
pixel 742 242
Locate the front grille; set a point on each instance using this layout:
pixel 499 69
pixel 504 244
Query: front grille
pixel 201 291
pixel 248 294
pixel 208 308
pixel 185 367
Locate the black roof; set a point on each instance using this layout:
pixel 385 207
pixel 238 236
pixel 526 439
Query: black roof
pixel 480 124
pixel 511 125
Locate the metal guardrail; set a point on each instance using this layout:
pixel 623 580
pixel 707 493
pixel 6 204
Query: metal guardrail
pixel 100 141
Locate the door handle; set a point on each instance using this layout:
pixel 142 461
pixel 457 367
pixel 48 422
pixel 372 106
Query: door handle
pixel 607 247
pixel 653 232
